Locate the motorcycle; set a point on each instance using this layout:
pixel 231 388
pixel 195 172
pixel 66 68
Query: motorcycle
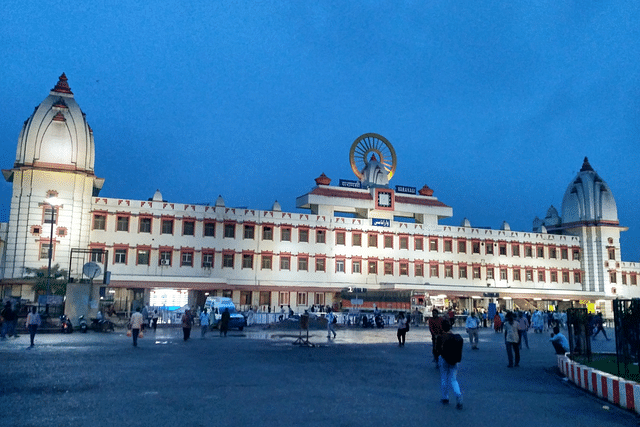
pixel 82 322
pixel 65 324
pixel 379 321
pixel 102 325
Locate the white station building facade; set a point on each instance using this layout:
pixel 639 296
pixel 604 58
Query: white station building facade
pixel 362 233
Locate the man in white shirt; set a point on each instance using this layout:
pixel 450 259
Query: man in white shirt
pixel 472 325
pixel 136 324
pixel 204 323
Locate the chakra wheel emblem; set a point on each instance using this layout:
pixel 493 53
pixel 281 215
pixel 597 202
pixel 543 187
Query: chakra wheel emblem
pixel 366 145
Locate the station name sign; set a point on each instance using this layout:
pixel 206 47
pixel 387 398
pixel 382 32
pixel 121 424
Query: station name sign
pixel 491 295
pixel 350 184
pixel 379 222
pixel 406 190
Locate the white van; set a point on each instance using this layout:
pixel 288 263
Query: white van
pixel 217 305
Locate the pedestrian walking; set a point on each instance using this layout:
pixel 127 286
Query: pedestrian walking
pixel 523 327
pixel 511 339
pixel 331 321
pixel 402 328
pixel 33 321
pixel 449 353
pixel 204 323
pixel 599 326
pixel 435 327
pixel 224 322
pixel 187 321
pixel 10 318
pixel 154 320
pixel 472 325
pixel 136 322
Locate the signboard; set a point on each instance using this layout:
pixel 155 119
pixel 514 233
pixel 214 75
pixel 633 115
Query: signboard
pixel 379 222
pixel 50 300
pixel 350 184
pixel 491 295
pixel 405 189
pixel 357 301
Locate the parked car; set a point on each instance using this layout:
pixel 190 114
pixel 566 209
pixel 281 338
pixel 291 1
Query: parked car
pixel 215 307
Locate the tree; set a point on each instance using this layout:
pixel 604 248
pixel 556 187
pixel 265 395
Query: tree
pixel 58 282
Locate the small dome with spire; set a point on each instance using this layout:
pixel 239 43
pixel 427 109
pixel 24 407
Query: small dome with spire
pixel 157 196
pixel 276 207
pixel 220 202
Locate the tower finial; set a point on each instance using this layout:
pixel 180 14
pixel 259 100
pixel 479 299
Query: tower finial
pixel 62 86
pixel 586 166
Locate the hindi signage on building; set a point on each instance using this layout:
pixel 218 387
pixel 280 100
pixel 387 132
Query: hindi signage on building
pixel 350 184
pixel 379 222
pixel 405 189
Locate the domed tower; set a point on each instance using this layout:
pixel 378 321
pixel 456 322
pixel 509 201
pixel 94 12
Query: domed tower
pixel 55 158
pixel 589 211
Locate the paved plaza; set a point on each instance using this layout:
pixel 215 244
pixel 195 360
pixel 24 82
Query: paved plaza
pixel 257 377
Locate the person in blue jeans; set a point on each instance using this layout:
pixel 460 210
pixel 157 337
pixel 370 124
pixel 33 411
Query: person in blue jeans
pixel 448 372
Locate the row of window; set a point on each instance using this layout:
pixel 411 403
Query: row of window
pixel 372 238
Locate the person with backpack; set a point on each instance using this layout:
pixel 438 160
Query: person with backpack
pixel 449 351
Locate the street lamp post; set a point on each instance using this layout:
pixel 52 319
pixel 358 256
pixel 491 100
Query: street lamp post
pixel 53 203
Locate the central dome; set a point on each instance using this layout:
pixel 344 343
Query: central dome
pixel 588 199
pixel 57 134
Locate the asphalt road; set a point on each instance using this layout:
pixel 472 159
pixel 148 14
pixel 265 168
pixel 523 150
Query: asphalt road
pixel 257 377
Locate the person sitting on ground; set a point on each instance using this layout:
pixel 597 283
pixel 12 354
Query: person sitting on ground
pixel 559 341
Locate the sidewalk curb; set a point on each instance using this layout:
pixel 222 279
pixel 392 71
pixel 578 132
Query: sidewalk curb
pixel 616 390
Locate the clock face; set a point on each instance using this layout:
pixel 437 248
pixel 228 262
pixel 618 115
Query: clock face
pixel 384 199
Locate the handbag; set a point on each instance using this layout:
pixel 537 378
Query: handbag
pixel 129 332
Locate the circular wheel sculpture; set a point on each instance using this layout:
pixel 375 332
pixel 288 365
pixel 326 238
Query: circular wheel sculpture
pixel 368 144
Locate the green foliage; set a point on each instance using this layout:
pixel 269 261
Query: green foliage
pixel 58 281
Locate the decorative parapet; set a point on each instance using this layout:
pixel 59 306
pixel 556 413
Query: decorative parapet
pixel 616 390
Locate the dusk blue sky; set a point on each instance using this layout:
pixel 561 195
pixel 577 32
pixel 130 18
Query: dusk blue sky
pixel 493 105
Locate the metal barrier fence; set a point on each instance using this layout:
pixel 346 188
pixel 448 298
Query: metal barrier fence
pixel 626 316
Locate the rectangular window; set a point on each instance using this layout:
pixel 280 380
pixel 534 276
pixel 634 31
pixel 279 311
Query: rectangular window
pixel 283 297
pixel 529 275
pixel 230 231
pixel 143 257
pixel 267 232
pixel 96 255
pixel 475 247
pixel 624 279
pixel 489 248
pixel 576 254
pixel 285 234
pixel 50 213
pixel 419 269
pixel 373 240
pixel 462 272
pixel 489 273
pixel 404 242
pixel 388 268
pixel 266 262
pixel 373 267
pixel 433 245
pixel 303 235
pixel 165 258
pixel 356 266
pixel 356 239
pixel 303 264
pixel 340 238
pixel 321 236
pixel 541 276
pixel 576 278
pixel 245 297
pixel 613 277
pixel 320 264
pixel 186 259
pixel 540 250
pixel 207 260
pixel 462 246
pixel 419 243
pixel 123 223
pixel 285 263
pixel 227 260
pixel 404 269
pixel 553 254
pixel 565 277
pixel 388 241
pixel 554 276
pixel 515 249
pixel 448 271
pixel 339 266
pixel 44 251
pixel 99 222
pixel 209 229
pixel 476 272
pixel 247 260
pixel 265 298
pixel 503 274
pixel 144 225
pixel 564 253
pixel 448 245
pixel 516 274
pixel 503 249
pixel 249 231
pixel 120 256
pixel 319 298
pixel 433 270
pixel 528 251
pixel 302 298
pixel 612 254
pixel 188 228
pixel 167 226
